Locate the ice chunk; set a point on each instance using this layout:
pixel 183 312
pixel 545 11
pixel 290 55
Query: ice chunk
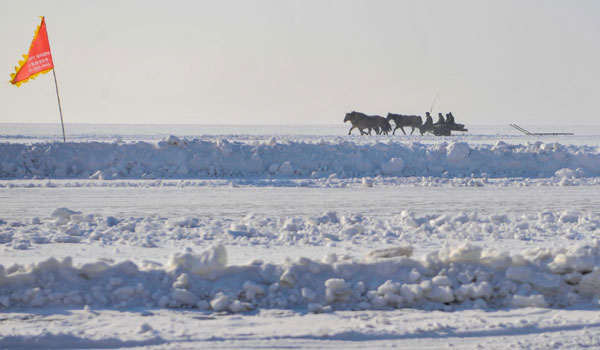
pixel 566 172
pixel 174 140
pixel 440 294
pixel 337 289
pixel 393 167
pixel 238 306
pixel 64 213
pixel 465 252
pixel 403 250
pixel 528 301
pixel 526 274
pixel 458 151
pixel 308 294
pixel 590 284
pixel 220 302
pixel 100 175
pixel 253 290
pixel 475 291
pixel 286 169
pixel 214 258
pixel 442 281
pixel 184 297
pixel 314 308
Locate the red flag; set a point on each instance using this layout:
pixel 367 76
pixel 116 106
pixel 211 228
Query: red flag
pixel 37 61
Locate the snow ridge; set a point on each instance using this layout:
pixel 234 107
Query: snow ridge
pixel 68 226
pixel 462 277
pixel 197 159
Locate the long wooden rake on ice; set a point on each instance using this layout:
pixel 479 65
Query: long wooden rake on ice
pixel 540 133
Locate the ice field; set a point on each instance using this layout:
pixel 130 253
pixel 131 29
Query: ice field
pixel 174 237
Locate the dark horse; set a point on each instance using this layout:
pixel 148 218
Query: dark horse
pixel 414 121
pixel 383 125
pixel 362 121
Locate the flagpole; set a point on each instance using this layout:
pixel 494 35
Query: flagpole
pixel 59 108
pixel 62 124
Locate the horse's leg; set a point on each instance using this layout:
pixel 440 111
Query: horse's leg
pixel 402 128
pixel 413 130
pixel 350 131
pixel 394 132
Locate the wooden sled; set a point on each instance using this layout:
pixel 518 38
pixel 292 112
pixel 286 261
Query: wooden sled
pixel 446 129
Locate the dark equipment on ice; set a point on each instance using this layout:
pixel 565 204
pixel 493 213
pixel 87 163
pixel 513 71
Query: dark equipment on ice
pixel 540 133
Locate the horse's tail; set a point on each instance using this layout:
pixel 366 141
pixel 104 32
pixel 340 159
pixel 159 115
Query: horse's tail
pixel 385 125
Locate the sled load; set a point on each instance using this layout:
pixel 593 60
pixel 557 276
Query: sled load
pixel 443 127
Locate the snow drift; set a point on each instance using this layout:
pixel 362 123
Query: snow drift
pixel 177 158
pixel 68 226
pixel 465 276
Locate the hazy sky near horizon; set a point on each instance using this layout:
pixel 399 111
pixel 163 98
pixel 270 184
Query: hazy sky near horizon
pixel 305 61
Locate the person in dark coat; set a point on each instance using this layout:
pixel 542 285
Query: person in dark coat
pixel 441 120
pixel 428 125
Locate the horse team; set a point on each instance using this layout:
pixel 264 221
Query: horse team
pixel 381 125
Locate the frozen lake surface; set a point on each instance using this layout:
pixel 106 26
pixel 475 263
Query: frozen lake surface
pixel 30 133
pixel 206 202
pixel 174 236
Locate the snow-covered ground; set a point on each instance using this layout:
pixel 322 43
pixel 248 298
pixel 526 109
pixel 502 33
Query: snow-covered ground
pixel 167 237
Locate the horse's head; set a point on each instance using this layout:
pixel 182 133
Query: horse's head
pixel 389 117
pixel 349 117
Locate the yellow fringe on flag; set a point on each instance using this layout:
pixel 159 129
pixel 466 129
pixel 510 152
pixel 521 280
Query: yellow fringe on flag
pixel 22 63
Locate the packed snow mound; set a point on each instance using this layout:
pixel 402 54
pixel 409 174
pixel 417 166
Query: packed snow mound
pixel 65 226
pixel 177 158
pixel 462 277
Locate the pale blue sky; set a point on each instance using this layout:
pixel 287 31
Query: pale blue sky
pixel 288 62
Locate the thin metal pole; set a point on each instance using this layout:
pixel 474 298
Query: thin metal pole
pixel 59 108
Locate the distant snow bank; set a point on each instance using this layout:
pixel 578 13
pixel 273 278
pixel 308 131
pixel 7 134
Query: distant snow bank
pixel 465 276
pixel 196 159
